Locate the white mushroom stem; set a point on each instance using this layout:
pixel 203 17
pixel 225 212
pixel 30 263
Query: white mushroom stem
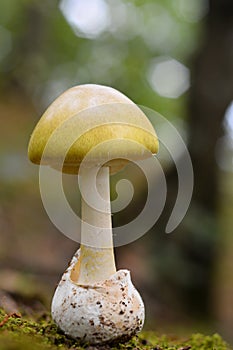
pixel 96 262
pixel 93 302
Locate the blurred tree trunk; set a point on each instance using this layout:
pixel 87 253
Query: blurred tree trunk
pixel 188 257
pixel 210 95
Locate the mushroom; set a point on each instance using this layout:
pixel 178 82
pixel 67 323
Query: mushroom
pixel 93 302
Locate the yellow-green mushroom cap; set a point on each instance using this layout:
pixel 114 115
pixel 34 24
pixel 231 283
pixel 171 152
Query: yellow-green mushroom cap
pixel 91 116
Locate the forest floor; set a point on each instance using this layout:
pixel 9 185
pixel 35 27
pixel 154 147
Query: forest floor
pixel 39 332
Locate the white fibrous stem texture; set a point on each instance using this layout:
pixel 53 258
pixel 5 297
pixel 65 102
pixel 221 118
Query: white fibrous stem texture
pixel 96 252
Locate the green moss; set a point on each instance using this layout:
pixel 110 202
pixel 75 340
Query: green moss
pixel 20 333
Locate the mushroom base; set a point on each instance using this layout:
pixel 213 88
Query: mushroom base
pixel 98 313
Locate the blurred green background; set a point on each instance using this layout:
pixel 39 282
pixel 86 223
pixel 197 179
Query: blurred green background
pixel 173 56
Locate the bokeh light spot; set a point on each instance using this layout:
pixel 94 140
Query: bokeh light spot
pixel 168 77
pixel 228 121
pixel 224 147
pixel 88 18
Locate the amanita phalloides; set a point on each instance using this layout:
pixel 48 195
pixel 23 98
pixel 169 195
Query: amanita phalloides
pixel 94 302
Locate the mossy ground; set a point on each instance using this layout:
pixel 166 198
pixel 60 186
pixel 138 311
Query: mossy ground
pixel 18 333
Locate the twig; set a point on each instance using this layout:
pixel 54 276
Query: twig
pixel 6 318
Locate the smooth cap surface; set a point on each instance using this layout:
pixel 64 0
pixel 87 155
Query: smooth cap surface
pixel 94 121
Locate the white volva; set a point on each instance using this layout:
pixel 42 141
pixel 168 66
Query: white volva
pixel 98 312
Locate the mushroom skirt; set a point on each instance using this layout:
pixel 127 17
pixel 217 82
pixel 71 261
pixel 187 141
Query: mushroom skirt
pixel 100 312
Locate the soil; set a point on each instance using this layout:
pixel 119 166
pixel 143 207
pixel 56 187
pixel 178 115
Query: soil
pixel 39 332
